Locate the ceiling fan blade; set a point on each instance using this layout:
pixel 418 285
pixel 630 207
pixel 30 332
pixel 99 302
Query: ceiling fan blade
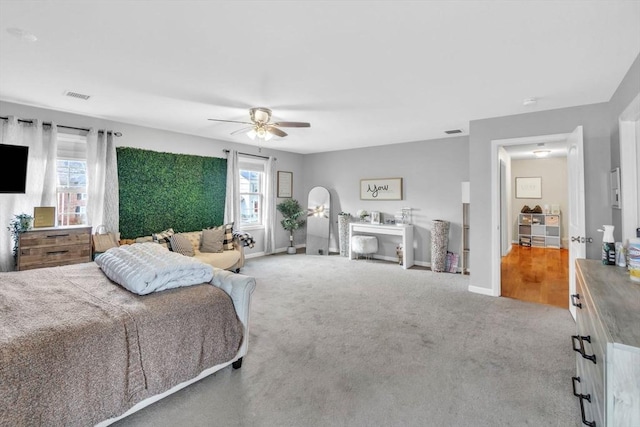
pixel 243 130
pixel 230 121
pixel 292 124
pixel 276 131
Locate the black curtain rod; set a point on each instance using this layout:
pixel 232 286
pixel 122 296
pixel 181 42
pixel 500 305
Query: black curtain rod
pixel 63 126
pixel 249 154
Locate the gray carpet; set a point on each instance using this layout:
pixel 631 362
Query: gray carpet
pixel 335 342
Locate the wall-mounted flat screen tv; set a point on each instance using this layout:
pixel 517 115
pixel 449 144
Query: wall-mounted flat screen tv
pixel 13 168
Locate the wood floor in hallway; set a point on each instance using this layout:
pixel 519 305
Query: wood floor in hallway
pixel 538 275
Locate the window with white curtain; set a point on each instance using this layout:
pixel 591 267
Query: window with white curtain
pixel 252 188
pixel 71 163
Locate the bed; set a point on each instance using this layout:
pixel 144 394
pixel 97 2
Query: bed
pixel 77 348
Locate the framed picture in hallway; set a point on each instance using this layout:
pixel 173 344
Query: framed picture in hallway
pixel 529 188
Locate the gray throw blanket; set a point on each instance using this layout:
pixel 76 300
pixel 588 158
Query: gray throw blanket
pixel 76 349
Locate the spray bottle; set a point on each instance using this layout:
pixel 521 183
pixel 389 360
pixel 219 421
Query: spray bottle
pixel 608 246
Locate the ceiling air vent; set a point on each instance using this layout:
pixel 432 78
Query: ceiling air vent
pixel 77 95
pixel 453 131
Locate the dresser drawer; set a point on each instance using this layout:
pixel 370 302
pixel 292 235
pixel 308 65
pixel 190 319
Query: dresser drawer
pixel 54 246
pixel 607 312
pixel 54 255
pixel 55 237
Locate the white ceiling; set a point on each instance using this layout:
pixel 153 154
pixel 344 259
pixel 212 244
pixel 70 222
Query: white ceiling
pixel 363 73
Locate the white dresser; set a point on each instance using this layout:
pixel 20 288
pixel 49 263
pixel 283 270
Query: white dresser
pixel 607 345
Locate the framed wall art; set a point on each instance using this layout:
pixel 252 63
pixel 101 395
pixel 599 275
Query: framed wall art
pixel 529 188
pixel 381 189
pixel 285 184
pixel 44 216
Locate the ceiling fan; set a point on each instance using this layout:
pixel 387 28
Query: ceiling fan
pixel 261 125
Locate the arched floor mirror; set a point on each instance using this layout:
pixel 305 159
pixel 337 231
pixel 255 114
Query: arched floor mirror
pixel 318 221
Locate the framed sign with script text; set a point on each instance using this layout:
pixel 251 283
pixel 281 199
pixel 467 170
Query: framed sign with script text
pixel 381 189
pixel 285 184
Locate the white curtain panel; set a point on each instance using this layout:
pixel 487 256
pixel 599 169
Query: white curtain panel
pixel 232 197
pixel 111 215
pixel 96 173
pixel 41 177
pixel 270 207
pixel 102 181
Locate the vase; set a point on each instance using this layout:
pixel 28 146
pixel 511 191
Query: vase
pixel 439 242
pixel 343 234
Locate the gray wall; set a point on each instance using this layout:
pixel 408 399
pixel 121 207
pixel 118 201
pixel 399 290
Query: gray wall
pixel 553 172
pixel 432 173
pixel 626 92
pixel 597 160
pixel 166 141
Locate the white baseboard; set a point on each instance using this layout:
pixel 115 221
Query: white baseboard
pixel 254 255
pixel 482 291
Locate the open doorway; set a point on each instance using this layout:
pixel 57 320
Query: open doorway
pixel 535 263
pixel 569 148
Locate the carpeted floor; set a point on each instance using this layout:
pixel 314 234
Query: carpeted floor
pixel 335 342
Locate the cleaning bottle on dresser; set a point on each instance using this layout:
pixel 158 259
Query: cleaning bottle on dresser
pixel 608 246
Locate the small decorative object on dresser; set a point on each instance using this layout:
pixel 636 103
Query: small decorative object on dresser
pixel 19 224
pixel 44 216
pixel 375 217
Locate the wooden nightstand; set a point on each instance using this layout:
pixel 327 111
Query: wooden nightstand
pixel 49 247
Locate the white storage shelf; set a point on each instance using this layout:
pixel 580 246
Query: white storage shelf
pixel 539 230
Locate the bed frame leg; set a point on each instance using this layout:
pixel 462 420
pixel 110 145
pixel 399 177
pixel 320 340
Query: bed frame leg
pixel 237 364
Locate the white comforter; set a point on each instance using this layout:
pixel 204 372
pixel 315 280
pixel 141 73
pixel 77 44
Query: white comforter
pixel 143 268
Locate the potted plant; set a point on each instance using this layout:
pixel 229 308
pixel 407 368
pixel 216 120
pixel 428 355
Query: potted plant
pixel 19 224
pixel 293 218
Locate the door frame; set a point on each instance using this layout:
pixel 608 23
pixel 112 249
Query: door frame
pixel 629 162
pixel 496 235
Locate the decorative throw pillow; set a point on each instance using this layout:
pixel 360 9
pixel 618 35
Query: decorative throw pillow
pixel 212 240
pixel 181 244
pixel 227 242
pixel 163 236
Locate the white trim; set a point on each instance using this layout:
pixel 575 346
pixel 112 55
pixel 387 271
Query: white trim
pixel 254 255
pixel 629 159
pixel 482 291
pixel 496 236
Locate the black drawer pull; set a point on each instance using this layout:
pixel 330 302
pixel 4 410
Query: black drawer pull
pixel 575 393
pixel 573 301
pixel 582 397
pixel 56 252
pixel 53 236
pixel 580 349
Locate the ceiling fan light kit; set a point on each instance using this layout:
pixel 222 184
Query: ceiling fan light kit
pixel 261 126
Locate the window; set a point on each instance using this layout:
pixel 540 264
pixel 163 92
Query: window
pixel 251 191
pixel 71 165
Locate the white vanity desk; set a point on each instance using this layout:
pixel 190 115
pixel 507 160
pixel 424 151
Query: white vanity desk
pixel 405 231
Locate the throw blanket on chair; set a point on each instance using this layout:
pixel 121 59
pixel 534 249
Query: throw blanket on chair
pixel 143 268
pixel 244 237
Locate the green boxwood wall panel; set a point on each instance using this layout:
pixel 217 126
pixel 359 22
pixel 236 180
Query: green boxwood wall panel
pixel 167 190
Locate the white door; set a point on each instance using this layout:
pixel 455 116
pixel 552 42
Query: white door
pixel 577 239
